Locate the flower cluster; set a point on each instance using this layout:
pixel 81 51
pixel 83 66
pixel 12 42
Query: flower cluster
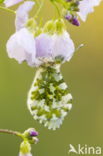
pixel 71 9
pixel 29 43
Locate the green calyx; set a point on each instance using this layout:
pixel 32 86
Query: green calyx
pixel 60 26
pixel 54 26
pixel 38 31
pixel 31 24
pixel 25 147
pixel 51 27
pixel 27 136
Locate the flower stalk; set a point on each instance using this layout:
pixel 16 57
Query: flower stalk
pixel 7 9
pixel 29 137
pixel 10 132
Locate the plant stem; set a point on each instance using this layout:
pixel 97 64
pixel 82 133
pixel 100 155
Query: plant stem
pixel 55 4
pixel 39 9
pixel 7 9
pixel 11 132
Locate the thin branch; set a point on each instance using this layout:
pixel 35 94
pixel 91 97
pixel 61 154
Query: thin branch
pixel 39 9
pixel 7 9
pixel 11 132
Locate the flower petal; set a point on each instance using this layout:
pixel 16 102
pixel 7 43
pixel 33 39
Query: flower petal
pixel 21 46
pixel 86 7
pixel 44 45
pixel 22 14
pixel 9 3
pixel 63 46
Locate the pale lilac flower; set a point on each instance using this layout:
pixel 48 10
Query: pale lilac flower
pixel 86 7
pixel 9 3
pixel 23 46
pixel 52 46
pixel 63 46
pixel 44 45
pixel 22 14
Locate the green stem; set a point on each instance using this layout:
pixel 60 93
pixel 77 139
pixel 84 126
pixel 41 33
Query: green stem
pixel 55 4
pixel 38 3
pixel 39 9
pixel 7 9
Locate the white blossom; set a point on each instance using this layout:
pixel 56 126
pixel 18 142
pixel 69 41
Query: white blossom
pixel 21 46
pixel 63 46
pixel 22 14
pixel 86 7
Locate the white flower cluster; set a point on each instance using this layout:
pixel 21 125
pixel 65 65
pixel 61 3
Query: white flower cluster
pixel 24 46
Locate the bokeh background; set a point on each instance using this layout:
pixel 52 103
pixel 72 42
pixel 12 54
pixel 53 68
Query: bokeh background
pixel 83 74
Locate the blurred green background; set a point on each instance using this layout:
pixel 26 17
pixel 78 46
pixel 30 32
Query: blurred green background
pixel 83 74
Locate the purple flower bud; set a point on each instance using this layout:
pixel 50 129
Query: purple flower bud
pixel 72 19
pixel 68 17
pixel 33 133
pixel 68 0
pixel 75 21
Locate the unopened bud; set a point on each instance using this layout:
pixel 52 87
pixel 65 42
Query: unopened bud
pixel 72 19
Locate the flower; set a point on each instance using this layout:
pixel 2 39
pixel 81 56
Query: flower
pixel 22 14
pixel 9 3
pixel 25 46
pixel 86 7
pixel 21 44
pixel 52 46
pixel 63 46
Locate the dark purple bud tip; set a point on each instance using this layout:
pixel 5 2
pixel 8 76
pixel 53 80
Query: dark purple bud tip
pixel 68 0
pixel 72 19
pixel 68 17
pixel 33 133
pixel 75 21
